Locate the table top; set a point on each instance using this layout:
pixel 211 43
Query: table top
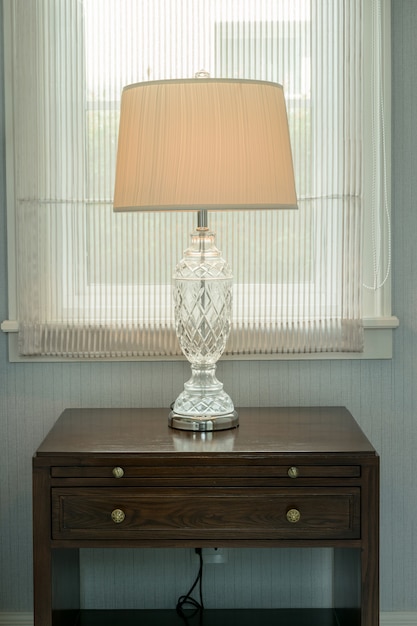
pixel 278 430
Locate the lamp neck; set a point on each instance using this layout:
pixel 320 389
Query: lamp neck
pixel 202 218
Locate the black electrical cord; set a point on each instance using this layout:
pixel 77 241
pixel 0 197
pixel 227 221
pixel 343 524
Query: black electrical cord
pixel 187 599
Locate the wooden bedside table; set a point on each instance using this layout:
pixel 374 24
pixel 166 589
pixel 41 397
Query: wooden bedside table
pixel 298 477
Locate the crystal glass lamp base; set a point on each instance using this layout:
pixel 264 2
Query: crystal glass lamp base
pixel 203 405
pixel 203 302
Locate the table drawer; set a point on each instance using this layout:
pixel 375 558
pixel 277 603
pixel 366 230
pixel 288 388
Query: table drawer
pixel 206 514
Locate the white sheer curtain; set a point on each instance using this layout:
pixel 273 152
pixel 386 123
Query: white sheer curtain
pixel 92 283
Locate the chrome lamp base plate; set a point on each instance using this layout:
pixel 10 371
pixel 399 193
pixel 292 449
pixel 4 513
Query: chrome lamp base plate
pixel 203 423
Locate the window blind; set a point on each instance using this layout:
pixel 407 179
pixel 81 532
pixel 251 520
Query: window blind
pixel 92 283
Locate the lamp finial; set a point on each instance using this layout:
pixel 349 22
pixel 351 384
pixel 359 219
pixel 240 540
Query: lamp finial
pixel 202 74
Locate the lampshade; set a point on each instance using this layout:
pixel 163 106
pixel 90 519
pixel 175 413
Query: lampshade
pixel 204 144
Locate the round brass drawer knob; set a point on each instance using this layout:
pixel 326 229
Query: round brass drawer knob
pixel 117 516
pixel 293 516
pixel 118 472
pixel 293 472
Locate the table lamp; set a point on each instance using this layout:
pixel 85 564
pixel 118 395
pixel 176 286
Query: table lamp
pixel 203 145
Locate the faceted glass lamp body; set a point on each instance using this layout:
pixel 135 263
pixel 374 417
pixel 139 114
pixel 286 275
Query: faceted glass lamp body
pixel 203 308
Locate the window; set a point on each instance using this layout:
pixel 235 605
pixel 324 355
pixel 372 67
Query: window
pixel 87 283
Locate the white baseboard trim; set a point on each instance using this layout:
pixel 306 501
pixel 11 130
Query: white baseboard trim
pixel 398 618
pixel 388 618
pixel 16 619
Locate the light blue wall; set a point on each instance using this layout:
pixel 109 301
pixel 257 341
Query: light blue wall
pixel 381 394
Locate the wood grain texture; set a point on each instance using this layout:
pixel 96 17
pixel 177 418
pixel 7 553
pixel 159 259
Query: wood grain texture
pixel 146 431
pixel 235 515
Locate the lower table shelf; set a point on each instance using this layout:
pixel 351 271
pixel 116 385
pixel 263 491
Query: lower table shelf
pixel 209 617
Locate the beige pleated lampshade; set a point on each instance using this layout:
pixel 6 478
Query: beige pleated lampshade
pixel 204 144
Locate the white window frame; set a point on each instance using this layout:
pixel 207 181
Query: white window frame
pixel 378 320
